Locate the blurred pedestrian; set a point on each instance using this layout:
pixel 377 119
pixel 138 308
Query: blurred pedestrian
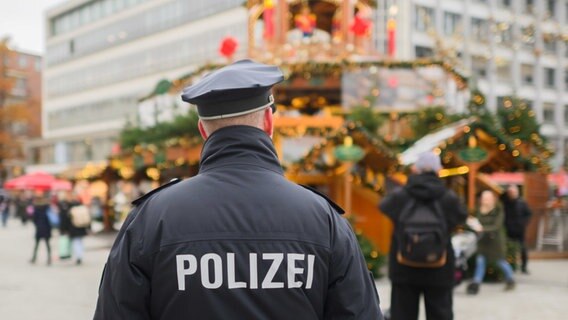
pixel 23 207
pixel 424 213
pixel 70 228
pixel 4 209
pixel 517 217
pixel 491 247
pixel 41 205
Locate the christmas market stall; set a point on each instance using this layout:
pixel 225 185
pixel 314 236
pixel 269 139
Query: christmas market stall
pixel 471 148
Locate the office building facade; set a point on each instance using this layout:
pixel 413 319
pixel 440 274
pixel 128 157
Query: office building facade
pixel 104 55
pixel 20 104
pixel 507 47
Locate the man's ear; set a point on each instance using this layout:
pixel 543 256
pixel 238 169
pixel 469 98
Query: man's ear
pixel 268 122
pixel 204 134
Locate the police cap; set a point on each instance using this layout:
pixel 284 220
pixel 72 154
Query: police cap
pixel 237 89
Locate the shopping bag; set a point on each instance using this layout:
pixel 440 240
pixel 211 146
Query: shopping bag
pixel 64 247
pixel 80 216
pixel 53 217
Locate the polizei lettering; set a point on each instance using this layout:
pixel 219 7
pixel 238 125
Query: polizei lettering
pixel 211 268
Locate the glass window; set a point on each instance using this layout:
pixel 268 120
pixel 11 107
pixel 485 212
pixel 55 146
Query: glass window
pixel 505 3
pixel 172 13
pixel 527 74
pixel 452 23
pixel 551 8
pixel 479 67
pixel 565 114
pixel 504 71
pixel 549 74
pixel 479 29
pixel 423 52
pixel 504 34
pixel 37 64
pixel 528 36
pixel 424 18
pixel 22 61
pixel 529 6
pixel 548 112
pixel 549 43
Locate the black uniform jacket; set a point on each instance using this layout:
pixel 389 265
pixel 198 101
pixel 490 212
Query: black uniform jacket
pixel 237 241
pixel 517 216
pixel 426 187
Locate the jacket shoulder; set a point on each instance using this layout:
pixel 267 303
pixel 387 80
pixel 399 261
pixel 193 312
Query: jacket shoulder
pixel 145 197
pixel 334 205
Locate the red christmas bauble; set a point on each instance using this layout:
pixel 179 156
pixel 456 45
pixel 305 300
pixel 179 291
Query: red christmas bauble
pixel 228 47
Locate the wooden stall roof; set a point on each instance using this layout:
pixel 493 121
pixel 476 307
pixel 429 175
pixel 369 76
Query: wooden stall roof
pixel 505 154
pixel 378 157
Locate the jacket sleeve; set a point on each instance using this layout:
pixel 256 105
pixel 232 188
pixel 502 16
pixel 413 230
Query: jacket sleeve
pixel 124 292
pixel 390 205
pixel 351 293
pixel 526 212
pixel 456 211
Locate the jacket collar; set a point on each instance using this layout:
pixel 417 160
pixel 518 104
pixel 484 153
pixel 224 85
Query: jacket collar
pixel 239 145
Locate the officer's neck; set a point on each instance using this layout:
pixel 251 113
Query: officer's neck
pixel 240 144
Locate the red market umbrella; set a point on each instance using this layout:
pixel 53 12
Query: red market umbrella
pixel 34 181
pixel 61 185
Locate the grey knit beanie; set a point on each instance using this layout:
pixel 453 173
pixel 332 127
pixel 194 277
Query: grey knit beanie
pixel 428 162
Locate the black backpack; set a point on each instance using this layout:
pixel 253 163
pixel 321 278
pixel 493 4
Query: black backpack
pixel 422 234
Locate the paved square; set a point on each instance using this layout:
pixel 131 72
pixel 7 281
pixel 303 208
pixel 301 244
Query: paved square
pixel 65 291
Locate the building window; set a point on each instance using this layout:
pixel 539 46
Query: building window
pixel 548 112
pixel 37 64
pixel 549 43
pixel 479 29
pixel 527 74
pixel 452 23
pixel 505 3
pixel 22 61
pixel 20 87
pixel 549 74
pixel 424 18
pixel 529 6
pixel 504 71
pixel 479 67
pixel 566 114
pixel 528 37
pixel 551 8
pixel 504 33
pixel 423 52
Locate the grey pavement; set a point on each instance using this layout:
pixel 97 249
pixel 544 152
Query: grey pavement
pixel 65 291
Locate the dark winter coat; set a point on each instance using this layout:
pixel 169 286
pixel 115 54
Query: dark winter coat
pixel 41 221
pixel 66 227
pixel 517 216
pixel 237 241
pixel 492 243
pixel 427 187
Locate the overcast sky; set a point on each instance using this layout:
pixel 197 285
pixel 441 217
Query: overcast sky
pixel 23 21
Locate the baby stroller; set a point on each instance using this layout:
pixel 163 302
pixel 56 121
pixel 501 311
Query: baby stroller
pixel 465 246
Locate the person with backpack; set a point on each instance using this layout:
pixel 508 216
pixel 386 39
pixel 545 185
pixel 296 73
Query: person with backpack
pixel 421 259
pixel 75 223
pixel 491 246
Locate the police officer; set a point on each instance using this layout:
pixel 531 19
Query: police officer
pixel 237 241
